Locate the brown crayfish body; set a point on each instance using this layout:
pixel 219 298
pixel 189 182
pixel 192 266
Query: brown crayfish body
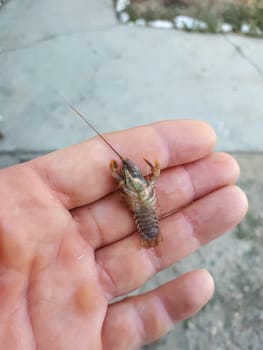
pixel 138 193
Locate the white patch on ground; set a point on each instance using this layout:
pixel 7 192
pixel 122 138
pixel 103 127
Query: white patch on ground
pixel 124 17
pixel 185 22
pixel 140 22
pixel 121 5
pixel 161 24
pixel 226 28
pixel 245 28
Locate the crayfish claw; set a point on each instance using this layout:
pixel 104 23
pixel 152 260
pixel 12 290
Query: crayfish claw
pixel 155 168
pixel 115 171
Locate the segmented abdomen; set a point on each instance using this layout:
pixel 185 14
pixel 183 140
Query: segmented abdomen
pixel 147 222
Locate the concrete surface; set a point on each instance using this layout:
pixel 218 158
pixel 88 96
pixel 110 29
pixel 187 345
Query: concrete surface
pixel 120 76
pixel 123 76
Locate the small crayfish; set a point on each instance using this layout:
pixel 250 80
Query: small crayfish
pixel 138 192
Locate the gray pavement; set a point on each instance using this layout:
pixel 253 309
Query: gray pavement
pixel 122 76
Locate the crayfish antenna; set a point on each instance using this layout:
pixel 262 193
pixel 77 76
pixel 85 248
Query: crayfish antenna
pixel 94 129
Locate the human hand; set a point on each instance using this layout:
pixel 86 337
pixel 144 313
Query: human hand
pixel 67 246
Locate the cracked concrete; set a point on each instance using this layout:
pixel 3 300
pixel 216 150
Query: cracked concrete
pixel 50 37
pixel 241 52
pixel 122 76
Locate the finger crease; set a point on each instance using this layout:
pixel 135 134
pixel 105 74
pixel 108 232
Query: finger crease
pixel 164 146
pixel 109 284
pixel 97 226
pixel 155 260
pixel 193 190
pixel 45 176
pixel 167 321
pixel 193 227
pixel 139 324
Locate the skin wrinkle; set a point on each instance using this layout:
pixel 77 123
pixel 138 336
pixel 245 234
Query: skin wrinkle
pixel 100 240
pixel 20 335
pixel 178 189
pixel 10 246
pixel 165 148
pixel 21 307
pixel 167 322
pixel 140 324
pixel 59 249
pixel 90 213
pixel 96 226
pixel 43 174
pixel 108 283
pixel 154 258
pixel 33 304
pixel 103 273
pixel 77 219
pixel 165 313
pixel 48 343
pixel 193 218
pixel 192 304
pixel 151 255
pixel 30 318
pixel 191 182
pixel 137 321
pixel 68 252
pixel 13 312
pixel 8 325
pixel 194 230
pixel 190 197
pixel 151 268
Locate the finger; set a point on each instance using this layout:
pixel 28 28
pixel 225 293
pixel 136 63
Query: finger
pixel 142 319
pixel 80 174
pixel 183 233
pixel 107 220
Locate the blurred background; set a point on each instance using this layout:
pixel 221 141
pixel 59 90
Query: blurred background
pixel 126 63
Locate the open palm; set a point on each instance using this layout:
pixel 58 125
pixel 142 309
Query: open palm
pixel 68 246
